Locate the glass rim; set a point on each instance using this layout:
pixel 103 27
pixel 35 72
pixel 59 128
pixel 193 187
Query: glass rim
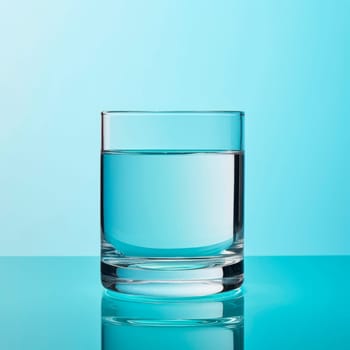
pixel 172 130
pixel 173 112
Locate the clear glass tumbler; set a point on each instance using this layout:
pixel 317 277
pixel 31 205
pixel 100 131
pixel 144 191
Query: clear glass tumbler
pixel 172 203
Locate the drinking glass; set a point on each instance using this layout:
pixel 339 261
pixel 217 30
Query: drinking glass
pixel 172 202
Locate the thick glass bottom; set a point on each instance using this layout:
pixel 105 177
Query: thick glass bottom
pixel 172 277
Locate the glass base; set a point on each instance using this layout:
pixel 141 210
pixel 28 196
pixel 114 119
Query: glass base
pixel 172 277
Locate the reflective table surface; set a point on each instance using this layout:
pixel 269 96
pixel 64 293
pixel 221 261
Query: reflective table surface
pixel 286 303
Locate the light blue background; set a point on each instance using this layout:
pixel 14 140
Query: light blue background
pixel 285 63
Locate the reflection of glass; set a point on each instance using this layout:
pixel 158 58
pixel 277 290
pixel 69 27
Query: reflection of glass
pixel 172 202
pixel 181 324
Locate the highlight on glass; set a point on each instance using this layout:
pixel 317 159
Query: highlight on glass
pixel 172 202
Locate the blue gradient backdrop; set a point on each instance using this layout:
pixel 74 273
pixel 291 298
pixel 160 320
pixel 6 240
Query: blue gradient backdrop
pixel 285 63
